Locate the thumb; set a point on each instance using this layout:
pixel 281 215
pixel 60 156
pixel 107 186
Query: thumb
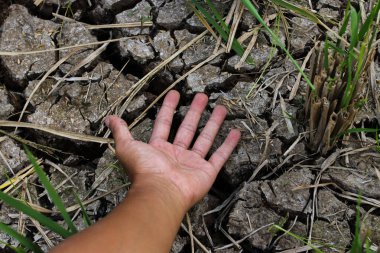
pixel 119 129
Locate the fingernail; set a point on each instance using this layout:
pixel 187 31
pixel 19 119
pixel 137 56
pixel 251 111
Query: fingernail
pixel 107 121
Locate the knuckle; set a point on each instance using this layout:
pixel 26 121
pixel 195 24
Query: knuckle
pixel 189 127
pixel 221 154
pixel 154 140
pixel 198 151
pixel 213 122
pixel 119 151
pixel 121 148
pixel 165 106
pixel 181 144
pixel 206 136
pixel 164 121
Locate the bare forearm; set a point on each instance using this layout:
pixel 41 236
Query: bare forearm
pixel 146 221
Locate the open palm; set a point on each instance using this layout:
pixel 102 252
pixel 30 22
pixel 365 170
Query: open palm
pixel 174 163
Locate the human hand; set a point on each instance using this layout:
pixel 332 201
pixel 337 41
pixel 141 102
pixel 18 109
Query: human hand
pixel 174 168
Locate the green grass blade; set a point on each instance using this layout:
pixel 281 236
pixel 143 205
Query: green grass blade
pixel 346 18
pixel 337 49
pixel 365 50
pixel 350 87
pixel 367 24
pixel 305 241
pixel 357 130
pixel 211 20
pixel 362 130
pixel 51 191
pixel 86 218
pixel 299 10
pixel 373 36
pixel 355 19
pixel 367 247
pixel 17 250
pixel 360 64
pixel 25 242
pixel 239 50
pixel 251 8
pixel 376 27
pixel 218 16
pixel 356 243
pixel 45 221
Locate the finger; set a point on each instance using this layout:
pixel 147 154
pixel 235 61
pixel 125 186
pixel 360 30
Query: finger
pixel 119 129
pixel 188 127
pixel 164 118
pixel 221 155
pixel 206 138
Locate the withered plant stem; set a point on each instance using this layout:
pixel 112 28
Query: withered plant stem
pixel 326 140
pixel 322 123
pixel 314 115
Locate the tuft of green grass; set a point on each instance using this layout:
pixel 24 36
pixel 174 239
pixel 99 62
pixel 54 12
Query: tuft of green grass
pixel 24 208
pixel 361 40
pixel 340 74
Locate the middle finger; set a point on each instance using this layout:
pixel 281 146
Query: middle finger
pixel 189 125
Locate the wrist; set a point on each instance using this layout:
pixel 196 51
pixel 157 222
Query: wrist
pixel 162 190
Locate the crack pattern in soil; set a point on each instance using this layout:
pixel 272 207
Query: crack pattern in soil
pixel 269 179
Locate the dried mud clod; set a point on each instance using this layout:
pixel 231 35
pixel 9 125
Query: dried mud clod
pixel 71 34
pixel 140 13
pixel 303 33
pixel 13 158
pixel 207 77
pixel 361 178
pixel 24 32
pixel 5 105
pixel 165 45
pixel 78 105
pixel 239 105
pixel 171 15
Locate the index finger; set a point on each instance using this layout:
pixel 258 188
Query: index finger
pixel 119 129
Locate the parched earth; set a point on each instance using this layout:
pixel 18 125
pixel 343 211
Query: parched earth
pixel 272 178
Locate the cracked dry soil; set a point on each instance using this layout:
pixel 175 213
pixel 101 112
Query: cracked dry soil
pixel 267 179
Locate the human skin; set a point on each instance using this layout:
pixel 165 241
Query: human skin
pixel 167 180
